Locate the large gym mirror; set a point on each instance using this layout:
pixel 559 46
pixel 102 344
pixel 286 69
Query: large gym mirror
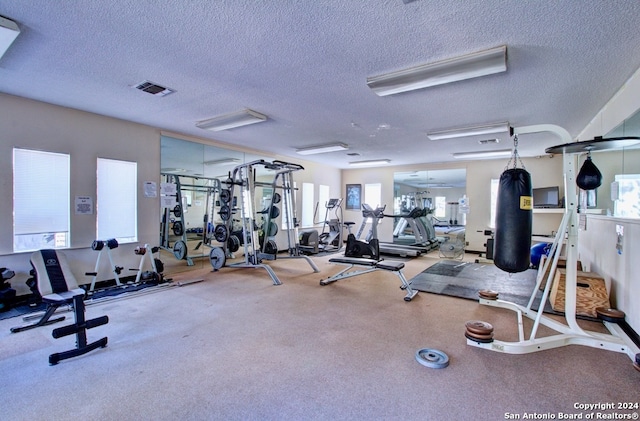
pixel 619 194
pixel 432 196
pixel 187 224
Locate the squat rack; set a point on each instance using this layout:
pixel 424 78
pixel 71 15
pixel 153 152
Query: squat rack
pixel 211 187
pixel 257 249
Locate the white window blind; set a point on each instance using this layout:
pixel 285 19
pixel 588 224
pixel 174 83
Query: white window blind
pixel 117 200
pixel 307 205
pixel 323 198
pixel 41 200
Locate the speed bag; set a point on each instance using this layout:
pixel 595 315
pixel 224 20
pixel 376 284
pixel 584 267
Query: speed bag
pixel 512 238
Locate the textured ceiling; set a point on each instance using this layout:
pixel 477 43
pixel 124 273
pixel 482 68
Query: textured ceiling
pixel 305 64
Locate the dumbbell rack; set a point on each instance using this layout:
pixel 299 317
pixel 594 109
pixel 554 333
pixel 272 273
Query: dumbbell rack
pixel 568 333
pixel 101 247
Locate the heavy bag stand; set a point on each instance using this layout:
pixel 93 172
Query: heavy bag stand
pixel 569 333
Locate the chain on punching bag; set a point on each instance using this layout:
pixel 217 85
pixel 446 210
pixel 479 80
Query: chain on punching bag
pixel 512 240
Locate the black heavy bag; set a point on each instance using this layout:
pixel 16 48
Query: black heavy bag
pixel 512 245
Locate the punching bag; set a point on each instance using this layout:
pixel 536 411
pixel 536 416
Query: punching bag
pixel 512 239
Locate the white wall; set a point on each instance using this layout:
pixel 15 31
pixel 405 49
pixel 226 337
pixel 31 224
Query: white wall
pixel 85 136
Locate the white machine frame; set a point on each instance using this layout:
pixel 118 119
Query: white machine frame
pixel 570 333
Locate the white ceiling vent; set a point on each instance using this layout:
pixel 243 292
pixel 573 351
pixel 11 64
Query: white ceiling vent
pixel 153 88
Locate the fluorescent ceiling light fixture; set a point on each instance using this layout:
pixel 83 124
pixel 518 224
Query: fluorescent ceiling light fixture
pixel 483 154
pixel 9 31
pixel 469 66
pixel 369 163
pixel 471 131
pixel 223 161
pixel 233 120
pixel 333 147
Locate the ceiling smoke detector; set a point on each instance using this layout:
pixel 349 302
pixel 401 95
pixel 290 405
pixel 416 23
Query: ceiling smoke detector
pixel 153 88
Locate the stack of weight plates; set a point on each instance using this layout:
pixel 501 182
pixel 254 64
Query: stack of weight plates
pixel 479 331
pixel 610 314
pixel 487 294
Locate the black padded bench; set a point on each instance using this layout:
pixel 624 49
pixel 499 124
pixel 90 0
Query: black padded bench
pixel 369 265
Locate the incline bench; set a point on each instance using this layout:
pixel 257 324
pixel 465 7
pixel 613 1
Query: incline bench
pixel 370 265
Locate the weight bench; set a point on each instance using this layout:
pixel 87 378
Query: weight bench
pixel 58 286
pixel 370 265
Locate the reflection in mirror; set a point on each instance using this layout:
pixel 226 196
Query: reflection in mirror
pixel 434 198
pixel 619 194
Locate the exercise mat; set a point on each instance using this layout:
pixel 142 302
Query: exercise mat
pixel 465 279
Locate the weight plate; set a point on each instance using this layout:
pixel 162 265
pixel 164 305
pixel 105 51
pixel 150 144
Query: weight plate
pixel 488 294
pixel 479 327
pixel 141 251
pixel 217 258
pixel 276 198
pixel 478 336
pixel 610 314
pixel 225 212
pixel 180 250
pixel 177 228
pixel 225 196
pixel 233 243
pixel 275 212
pixel 480 341
pixel 177 211
pixel 272 229
pixel 159 265
pixel 271 247
pixel 221 233
pixel 97 245
pixel 432 358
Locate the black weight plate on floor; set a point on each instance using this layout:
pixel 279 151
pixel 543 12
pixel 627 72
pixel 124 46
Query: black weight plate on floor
pixel 432 358
pixel 217 258
pixel 180 250
pixel 225 196
pixel 225 212
pixel 221 233
pixel 271 247
pixel 480 341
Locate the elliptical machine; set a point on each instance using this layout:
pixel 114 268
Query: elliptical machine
pixel 365 249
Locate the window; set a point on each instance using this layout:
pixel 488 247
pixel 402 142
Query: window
pixel 323 199
pixel 41 200
pixel 117 200
pixel 494 201
pixel 441 207
pixel 373 194
pixel 307 205
pixel 627 203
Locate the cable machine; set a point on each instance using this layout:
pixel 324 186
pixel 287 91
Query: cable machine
pixel 259 240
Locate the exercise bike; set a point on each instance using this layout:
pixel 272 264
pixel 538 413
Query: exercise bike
pixel 365 249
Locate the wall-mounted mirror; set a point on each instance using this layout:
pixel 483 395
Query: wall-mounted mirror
pixel 619 194
pixel 437 193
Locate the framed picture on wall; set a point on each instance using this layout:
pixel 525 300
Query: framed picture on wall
pixel 354 192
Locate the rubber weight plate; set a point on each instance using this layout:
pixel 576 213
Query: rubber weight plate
pixel 177 211
pixel 233 243
pixel 217 258
pixel 221 233
pixel 225 212
pixel 432 358
pixel 225 196
pixel 610 314
pixel 177 228
pixel 478 336
pixel 276 198
pixel 479 327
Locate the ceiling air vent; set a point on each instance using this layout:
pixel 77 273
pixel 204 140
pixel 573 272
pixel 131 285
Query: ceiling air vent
pixel 153 88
